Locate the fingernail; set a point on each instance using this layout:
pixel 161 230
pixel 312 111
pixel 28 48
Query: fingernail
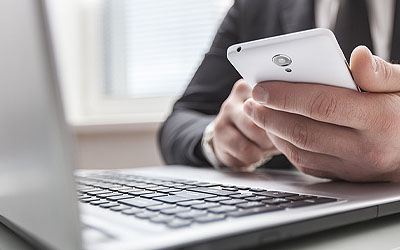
pixel 260 94
pixel 249 109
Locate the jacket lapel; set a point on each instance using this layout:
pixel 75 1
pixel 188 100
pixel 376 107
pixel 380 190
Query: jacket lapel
pixel 297 15
pixel 395 52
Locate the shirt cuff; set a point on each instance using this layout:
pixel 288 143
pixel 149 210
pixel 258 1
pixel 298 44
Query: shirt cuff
pixel 207 147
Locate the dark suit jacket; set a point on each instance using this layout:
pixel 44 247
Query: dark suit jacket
pixel 181 133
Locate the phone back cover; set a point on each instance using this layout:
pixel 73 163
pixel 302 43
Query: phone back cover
pixel 316 58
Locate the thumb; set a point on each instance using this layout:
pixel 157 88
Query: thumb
pixel 372 73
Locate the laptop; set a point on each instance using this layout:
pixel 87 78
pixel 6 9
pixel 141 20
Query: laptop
pixel 52 206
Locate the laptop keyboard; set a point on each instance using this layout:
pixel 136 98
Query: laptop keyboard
pixel 179 203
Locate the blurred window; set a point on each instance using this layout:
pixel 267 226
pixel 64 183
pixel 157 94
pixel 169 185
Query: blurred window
pixel 153 47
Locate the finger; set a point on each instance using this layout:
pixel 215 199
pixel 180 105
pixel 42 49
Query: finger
pixel 236 144
pixel 253 132
pixel 304 132
pixel 322 103
pixel 241 90
pixel 372 73
pixel 316 164
pixel 229 160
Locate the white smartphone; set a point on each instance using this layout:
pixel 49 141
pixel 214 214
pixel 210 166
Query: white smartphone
pixel 311 56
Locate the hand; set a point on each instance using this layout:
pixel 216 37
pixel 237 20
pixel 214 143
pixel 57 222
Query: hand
pixel 334 132
pixel 238 142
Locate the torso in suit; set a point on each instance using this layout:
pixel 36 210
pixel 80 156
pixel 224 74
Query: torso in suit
pixel 180 136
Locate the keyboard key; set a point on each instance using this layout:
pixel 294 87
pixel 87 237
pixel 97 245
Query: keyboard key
pixel 230 189
pixel 87 200
pixel 212 191
pixel 242 195
pixel 85 196
pixel 217 199
pixel 133 210
pixel 275 201
pixel 143 185
pixel 232 202
pixel 172 199
pixel 190 203
pixel 108 195
pixel 194 195
pixel 276 194
pixel 250 204
pixel 162 218
pixel 118 187
pixel 156 188
pixel 146 214
pixel 120 208
pixel 108 205
pixel 175 210
pixel 209 218
pixel 169 190
pixel 222 209
pixel 99 202
pixel 206 205
pixel 178 223
pixel 191 214
pixel 205 184
pixel 257 190
pixel 300 197
pixel 140 192
pixel 257 198
pixel 184 186
pixel 150 196
pixel 255 210
pixel 127 190
pixel 160 207
pixel 99 192
pixel 87 190
pixel 119 197
pixel 139 202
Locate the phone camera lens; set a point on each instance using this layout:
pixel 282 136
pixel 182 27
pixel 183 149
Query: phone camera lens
pixel 282 60
pixel 239 49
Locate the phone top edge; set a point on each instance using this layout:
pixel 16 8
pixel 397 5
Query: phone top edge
pixel 285 37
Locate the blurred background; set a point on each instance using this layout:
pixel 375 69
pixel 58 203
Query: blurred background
pixel 122 64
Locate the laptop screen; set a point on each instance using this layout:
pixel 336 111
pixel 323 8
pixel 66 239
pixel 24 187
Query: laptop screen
pixel 36 185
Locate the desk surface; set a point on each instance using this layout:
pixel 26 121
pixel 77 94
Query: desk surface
pixel 382 233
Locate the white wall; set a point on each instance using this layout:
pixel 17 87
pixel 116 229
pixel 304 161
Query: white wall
pixel 118 149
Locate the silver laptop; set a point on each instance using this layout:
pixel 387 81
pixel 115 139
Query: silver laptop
pixel 148 208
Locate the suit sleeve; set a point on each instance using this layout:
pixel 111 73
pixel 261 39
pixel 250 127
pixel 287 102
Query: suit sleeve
pixel 180 136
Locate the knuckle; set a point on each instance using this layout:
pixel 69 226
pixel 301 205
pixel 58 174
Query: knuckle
pixel 323 106
pixel 240 86
pixel 245 151
pixel 303 169
pixel 261 116
pixel 375 158
pixel 227 106
pixel 219 126
pixel 387 70
pixel 300 136
pixel 295 157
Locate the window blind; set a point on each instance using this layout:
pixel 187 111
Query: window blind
pixel 153 47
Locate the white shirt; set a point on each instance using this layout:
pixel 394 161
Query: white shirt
pixel 380 15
